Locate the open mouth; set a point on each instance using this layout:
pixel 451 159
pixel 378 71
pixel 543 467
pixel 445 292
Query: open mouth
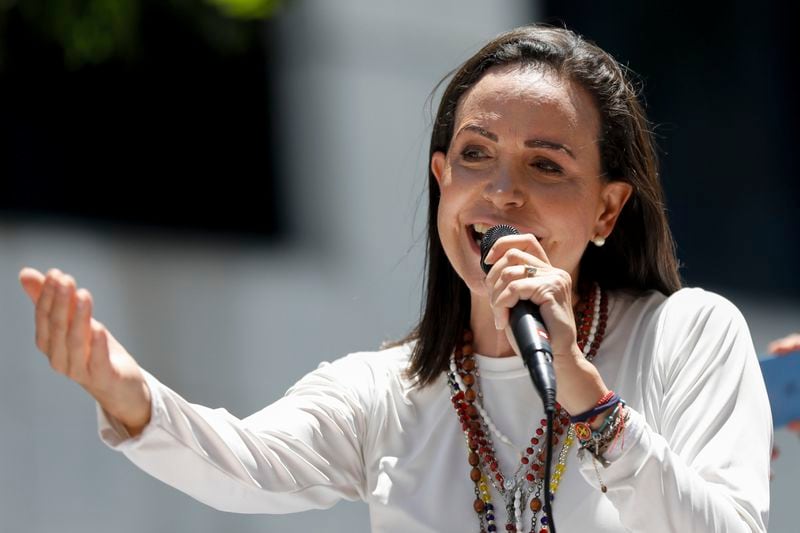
pixel 479 230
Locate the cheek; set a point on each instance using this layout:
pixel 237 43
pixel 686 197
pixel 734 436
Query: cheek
pixel 570 233
pixel 442 227
pixel 449 222
pixel 447 215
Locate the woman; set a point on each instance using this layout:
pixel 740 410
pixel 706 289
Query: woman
pixel 442 432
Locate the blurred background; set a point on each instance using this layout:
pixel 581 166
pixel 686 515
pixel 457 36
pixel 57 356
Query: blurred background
pixel 213 169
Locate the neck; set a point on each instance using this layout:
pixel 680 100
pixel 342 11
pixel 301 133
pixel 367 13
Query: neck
pixel 488 340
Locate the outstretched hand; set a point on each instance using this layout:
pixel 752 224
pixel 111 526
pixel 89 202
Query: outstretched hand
pixel 82 349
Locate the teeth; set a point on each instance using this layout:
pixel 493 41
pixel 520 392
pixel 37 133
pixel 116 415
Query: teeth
pixel 481 228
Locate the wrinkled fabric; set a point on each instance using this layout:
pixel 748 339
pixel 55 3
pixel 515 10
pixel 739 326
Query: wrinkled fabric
pixel 693 457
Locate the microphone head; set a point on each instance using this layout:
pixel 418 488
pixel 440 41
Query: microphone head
pixel 490 237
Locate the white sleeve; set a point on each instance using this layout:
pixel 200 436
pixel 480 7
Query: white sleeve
pixel 302 452
pixel 700 460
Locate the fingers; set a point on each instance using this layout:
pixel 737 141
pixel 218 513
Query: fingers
pixel 517 250
pixel 524 242
pixel 510 279
pixel 79 337
pixel 32 282
pixel 550 287
pixel 42 313
pixel 785 345
pixel 514 257
pixel 514 285
pixel 60 315
pixel 506 270
pixel 65 330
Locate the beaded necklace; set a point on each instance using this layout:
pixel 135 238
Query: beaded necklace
pixel 527 482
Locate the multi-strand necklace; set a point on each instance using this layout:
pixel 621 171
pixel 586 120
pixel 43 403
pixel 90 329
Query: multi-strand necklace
pixel 526 485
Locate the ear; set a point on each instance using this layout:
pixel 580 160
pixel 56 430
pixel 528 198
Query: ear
pixel 438 161
pixel 613 198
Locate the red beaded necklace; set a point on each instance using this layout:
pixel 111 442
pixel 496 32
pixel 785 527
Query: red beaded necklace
pixel 591 320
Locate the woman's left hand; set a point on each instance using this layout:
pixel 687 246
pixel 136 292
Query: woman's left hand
pixel 508 282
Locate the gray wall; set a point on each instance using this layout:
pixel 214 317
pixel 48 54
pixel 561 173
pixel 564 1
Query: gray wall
pixel 218 322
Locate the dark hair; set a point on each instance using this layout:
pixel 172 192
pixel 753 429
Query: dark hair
pixel 640 255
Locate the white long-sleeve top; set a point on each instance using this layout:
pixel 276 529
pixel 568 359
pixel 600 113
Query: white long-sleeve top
pixel 695 457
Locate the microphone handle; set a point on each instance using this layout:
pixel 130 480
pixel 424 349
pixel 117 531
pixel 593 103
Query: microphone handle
pixel 533 343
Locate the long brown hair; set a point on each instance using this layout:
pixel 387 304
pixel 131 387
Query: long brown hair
pixel 640 255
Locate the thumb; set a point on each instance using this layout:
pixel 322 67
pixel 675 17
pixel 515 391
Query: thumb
pixel 32 282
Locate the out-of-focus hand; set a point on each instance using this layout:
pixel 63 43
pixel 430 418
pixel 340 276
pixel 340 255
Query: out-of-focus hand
pixel 787 344
pixel 82 349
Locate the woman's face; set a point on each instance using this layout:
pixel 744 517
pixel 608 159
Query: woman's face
pixel 524 152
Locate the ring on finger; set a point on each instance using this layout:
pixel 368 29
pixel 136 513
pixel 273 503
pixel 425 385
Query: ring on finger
pixel 530 271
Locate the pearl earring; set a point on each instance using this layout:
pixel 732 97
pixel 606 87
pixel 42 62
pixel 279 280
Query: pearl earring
pixel 599 241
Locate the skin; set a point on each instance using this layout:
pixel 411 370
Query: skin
pixel 82 349
pixel 785 345
pixel 525 153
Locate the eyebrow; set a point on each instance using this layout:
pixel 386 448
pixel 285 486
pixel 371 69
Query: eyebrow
pixel 530 143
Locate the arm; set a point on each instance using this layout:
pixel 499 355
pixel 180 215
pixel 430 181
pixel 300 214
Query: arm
pixel 302 452
pixel 697 459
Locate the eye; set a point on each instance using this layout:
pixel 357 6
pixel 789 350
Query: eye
pixel 547 166
pixel 473 153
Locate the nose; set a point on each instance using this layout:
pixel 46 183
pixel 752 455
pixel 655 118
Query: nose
pixel 503 190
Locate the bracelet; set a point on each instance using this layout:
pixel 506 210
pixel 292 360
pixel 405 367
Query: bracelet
pixel 593 412
pixel 598 442
pixel 601 441
pixel 607 396
pixel 585 433
pixel 610 418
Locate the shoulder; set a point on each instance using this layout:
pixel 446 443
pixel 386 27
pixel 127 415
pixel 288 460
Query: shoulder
pixel 359 372
pixel 387 360
pixel 698 332
pixel 699 309
pixel 686 307
pixel 671 327
pixel 700 299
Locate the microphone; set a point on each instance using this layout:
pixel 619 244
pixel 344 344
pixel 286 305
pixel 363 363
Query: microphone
pixel 528 330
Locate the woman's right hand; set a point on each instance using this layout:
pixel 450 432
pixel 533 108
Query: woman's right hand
pixel 81 348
